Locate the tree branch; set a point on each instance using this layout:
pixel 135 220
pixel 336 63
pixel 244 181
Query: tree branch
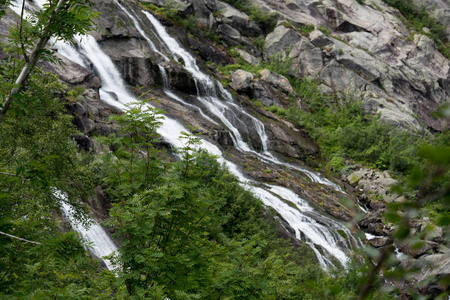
pixel 31 62
pixel 18 238
pixel 8 174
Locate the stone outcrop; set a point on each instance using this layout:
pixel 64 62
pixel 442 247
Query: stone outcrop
pixel 280 40
pixel 366 53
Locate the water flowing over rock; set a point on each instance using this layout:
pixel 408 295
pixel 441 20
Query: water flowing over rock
pixel 368 54
pixel 163 60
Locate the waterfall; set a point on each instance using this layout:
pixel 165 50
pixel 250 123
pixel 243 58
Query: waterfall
pixel 99 242
pixel 318 231
pixel 223 110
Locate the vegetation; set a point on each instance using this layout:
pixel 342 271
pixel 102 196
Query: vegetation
pixel 188 229
pixel 267 20
pixel 191 231
pixel 190 22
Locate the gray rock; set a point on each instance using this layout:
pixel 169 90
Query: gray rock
pixel 179 78
pixel 386 183
pixel 204 10
pixel 319 39
pixel 381 242
pixel 70 72
pixel 306 59
pixel 339 78
pixel 280 40
pixel 440 9
pixel 292 4
pixel 238 20
pixel 356 176
pixel 87 125
pixel 416 250
pixel 277 81
pixel 241 81
pixel 264 93
pixel 229 33
pixel 77 109
pixel 248 57
pixel 134 60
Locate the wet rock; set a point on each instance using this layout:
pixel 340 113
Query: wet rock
pixel 134 60
pixel 209 52
pixel 417 249
pixel 99 204
pixel 179 78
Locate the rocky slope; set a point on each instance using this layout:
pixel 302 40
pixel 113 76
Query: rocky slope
pixel 362 49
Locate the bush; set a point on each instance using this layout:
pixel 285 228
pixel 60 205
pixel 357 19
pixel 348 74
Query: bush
pixel 267 20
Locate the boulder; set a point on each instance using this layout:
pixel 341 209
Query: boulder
pixel 241 81
pixel 69 71
pixel 83 142
pixel 381 242
pixel 341 79
pixel 134 59
pixel 356 176
pixel 280 40
pixel 204 10
pixel 319 39
pixel 247 57
pixel 232 37
pixel 114 22
pixel 264 93
pixel 277 81
pixel 238 20
pixel 210 52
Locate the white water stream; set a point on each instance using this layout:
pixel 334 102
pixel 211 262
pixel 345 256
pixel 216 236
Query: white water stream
pixel 100 244
pixel 319 231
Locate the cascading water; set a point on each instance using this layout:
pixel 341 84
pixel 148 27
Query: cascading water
pixel 319 231
pixel 315 233
pixel 208 91
pixel 100 244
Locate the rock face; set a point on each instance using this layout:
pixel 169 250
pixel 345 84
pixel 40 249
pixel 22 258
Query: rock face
pixel 364 50
pixel 280 40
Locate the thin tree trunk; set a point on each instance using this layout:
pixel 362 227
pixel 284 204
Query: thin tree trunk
pixel 31 62
pixel 18 238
